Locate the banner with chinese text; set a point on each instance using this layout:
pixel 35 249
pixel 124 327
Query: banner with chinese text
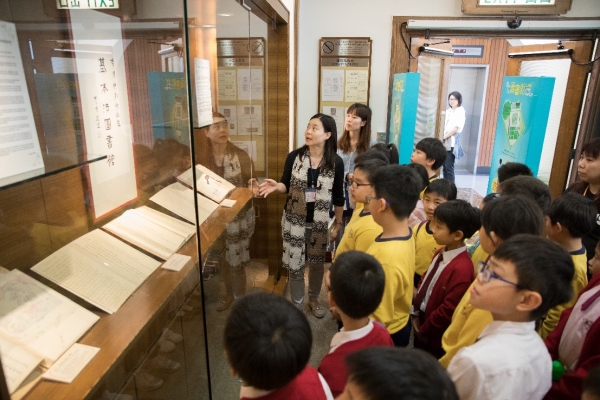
pixel 403 113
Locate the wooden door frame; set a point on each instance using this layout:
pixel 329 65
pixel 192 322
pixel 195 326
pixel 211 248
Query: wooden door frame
pixel 590 116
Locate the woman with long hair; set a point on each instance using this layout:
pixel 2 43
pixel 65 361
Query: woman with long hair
pixel 313 177
pixel 455 121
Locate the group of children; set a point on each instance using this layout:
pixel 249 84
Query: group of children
pixel 495 314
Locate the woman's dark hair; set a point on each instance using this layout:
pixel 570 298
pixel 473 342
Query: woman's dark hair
pixel 330 151
pixel 390 150
pixel 364 137
pixel 458 97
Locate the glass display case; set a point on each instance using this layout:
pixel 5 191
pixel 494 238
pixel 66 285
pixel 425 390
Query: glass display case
pixel 133 136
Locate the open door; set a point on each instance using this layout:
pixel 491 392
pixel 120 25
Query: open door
pixel 566 105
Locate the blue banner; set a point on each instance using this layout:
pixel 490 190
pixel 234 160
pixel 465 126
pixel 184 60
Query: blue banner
pixel 403 114
pixel 168 104
pixel 522 121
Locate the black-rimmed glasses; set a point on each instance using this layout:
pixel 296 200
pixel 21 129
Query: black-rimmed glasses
pixel 487 275
pixel 352 182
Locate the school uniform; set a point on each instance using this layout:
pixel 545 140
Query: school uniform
pixel 332 366
pixel 440 295
pixel 479 255
pixel 574 342
pixel 309 384
pixel 360 232
pixel 508 361
pixel 425 247
pixel 578 283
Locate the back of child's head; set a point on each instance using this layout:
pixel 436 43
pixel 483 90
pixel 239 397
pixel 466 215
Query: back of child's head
pixel 541 266
pixel 399 185
pixel 384 373
pixel 443 188
pixel 507 216
pixel 390 150
pixel 267 340
pixel 434 150
pixel 512 169
pixel 356 283
pixel 530 187
pixel 372 154
pixel 591 385
pixel 458 215
pixel 419 169
pixel 370 166
pixel 574 212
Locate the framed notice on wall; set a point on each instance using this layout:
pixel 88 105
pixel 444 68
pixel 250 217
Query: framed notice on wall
pixel 344 75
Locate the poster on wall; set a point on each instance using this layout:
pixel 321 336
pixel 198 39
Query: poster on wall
pixel 203 93
pixel 20 150
pixel 167 92
pixel 230 114
pixel 344 73
pixel 339 116
pixel 99 56
pixel 403 113
pixel 522 120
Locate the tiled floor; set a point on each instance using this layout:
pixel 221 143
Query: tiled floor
pixel 471 188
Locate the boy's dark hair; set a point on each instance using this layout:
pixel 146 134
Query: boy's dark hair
pixel 458 215
pixel 489 197
pixel 442 187
pixel 267 340
pixel 384 373
pixel 434 150
pixel 591 384
pixel 510 215
pixel 530 187
pixel 419 169
pixel 357 281
pixel 574 212
pixel 512 169
pixel 390 150
pixel 371 154
pixel 591 148
pixel 369 167
pixel 399 186
pixel 542 266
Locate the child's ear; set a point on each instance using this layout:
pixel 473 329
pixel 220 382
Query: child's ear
pixel 331 301
pixel 530 301
pixel 558 227
pixel 495 239
pixel 429 162
pixel 458 235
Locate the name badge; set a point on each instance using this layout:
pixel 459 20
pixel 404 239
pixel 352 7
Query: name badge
pixel 310 195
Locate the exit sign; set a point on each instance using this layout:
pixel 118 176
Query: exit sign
pixel 87 4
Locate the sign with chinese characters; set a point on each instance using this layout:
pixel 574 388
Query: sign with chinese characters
pixel 403 113
pixel 512 2
pixel 87 4
pixel 468 51
pixel 522 121
pixel 344 74
pixel 105 107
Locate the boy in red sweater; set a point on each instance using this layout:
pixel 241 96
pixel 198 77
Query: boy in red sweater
pixel 356 283
pixel 267 343
pixel 451 272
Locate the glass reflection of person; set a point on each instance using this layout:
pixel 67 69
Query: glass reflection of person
pixel 454 123
pixel 227 160
pixel 313 177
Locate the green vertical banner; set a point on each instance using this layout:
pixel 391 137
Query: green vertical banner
pixel 403 115
pixel 168 104
pixel 522 121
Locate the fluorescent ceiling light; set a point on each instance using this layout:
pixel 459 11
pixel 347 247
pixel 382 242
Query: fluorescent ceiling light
pixel 83 51
pixel 563 52
pixel 500 24
pixel 437 52
pixel 224 15
pixel 208 26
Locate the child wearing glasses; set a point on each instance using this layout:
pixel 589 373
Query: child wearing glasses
pixel 569 218
pixel 522 280
pixel 574 341
pixel 500 219
pixel 436 193
pixel 361 231
pixel 395 193
pixel 355 288
pixel 448 277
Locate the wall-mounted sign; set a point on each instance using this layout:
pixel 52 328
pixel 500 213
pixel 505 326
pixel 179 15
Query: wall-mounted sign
pixel 87 4
pixel 512 2
pixel 468 51
pixel 516 7
pixel 344 75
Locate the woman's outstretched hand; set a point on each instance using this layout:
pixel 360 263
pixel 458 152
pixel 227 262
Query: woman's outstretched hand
pixel 267 187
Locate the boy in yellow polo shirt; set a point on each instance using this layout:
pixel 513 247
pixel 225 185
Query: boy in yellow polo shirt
pixel 500 219
pixel 569 218
pixel 436 193
pixel 361 230
pixel 395 193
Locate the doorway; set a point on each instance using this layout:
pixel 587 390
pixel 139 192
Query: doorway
pixel 471 82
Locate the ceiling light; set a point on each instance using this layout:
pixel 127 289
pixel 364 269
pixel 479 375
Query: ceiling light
pixel 547 53
pixel 224 15
pixel 436 52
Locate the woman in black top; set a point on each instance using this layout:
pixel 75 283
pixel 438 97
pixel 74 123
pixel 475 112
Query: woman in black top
pixel 313 177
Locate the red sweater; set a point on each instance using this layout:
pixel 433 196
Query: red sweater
pixel 569 385
pixel 449 289
pixel 306 386
pixel 332 366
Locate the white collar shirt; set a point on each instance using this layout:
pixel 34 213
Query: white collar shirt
pixel 447 257
pixel 344 337
pixel 508 361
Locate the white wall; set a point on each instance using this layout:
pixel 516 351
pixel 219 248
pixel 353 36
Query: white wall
pixel 373 18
